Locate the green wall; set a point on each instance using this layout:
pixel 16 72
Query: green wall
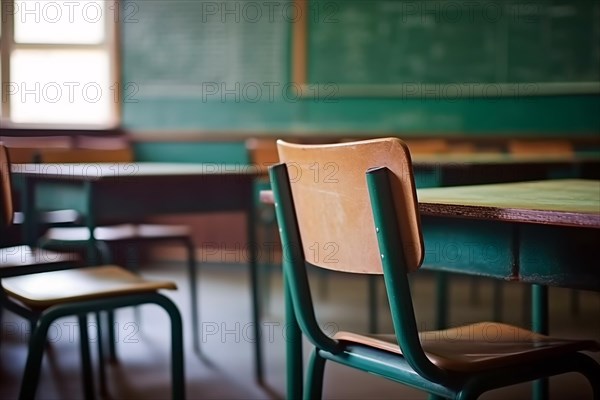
pixel 191 67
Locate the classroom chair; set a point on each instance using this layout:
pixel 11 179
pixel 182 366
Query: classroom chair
pixel 22 259
pixel 369 210
pixel 129 236
pixel 43 296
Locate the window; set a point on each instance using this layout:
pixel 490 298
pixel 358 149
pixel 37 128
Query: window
pixel 59 64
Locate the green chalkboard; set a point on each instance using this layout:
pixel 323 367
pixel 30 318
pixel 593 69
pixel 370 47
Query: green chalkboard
pixel 211 50
pixel 387 43
pixel 171 48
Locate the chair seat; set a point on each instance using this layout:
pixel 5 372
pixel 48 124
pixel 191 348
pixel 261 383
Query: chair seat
pixel 478 347
pixel 49 288
pixel 20 259
pixel 119 232
pixel 51 217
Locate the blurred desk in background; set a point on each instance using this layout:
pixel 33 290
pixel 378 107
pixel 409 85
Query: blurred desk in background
pixel 104 191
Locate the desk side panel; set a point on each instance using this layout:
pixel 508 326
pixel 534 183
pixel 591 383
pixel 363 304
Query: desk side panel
pixel 469 247
pixel 560 256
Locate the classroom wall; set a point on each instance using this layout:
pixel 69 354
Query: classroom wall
pixel 190 66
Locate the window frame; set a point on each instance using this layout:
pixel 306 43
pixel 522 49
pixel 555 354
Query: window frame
pixel 110 44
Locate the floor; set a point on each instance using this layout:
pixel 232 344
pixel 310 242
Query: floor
pixel 225 371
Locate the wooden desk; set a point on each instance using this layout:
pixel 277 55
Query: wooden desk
pixel 435 170
pixel 545 233
pixel 103 191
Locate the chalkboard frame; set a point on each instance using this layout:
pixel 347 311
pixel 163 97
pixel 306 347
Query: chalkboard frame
pixel 306 89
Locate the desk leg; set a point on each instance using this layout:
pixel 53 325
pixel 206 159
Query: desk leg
pixel 253 265
pixel 30 213
pixel 90 217
pixel 373 296
pixel 539 322
pixel 293 347
pixel 441 307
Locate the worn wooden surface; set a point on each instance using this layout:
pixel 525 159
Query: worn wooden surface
pixel 569 202
pixel 332 203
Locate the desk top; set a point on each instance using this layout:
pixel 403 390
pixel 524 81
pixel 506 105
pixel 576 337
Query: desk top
pixel 500 159
pixel 569 202
pixel 97 171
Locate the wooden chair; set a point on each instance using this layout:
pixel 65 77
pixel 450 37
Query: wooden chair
pixel 123 235
pixel 23 259
pixel 367 212
pixel 43 297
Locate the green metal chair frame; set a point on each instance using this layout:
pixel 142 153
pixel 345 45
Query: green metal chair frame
pixel 412 367
pixel 42 318
pixel 103 251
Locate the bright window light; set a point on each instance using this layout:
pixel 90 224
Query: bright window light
pixel 64 22
pixel 60 86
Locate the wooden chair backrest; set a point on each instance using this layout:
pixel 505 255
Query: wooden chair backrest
pixel 524 147
pixel 7 210
pixel 333 207
pixel 85 155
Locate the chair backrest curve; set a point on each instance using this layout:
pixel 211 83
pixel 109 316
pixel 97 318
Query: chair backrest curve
pixel 332 203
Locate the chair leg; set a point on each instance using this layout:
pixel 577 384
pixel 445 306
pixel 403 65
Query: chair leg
pixel 177 364
pixel 36 344
pixel 86 361
pixel 132 255
pixel 101 360
pixel 472 390
pixel 474 291
pixel 373 309
pixel 497 300
pixel 591 370
pixel 111 326
pixel 314 379
pixel 441 307
pixel 193 278
pixel 31 375
pixel 268 264
pixel 465 395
